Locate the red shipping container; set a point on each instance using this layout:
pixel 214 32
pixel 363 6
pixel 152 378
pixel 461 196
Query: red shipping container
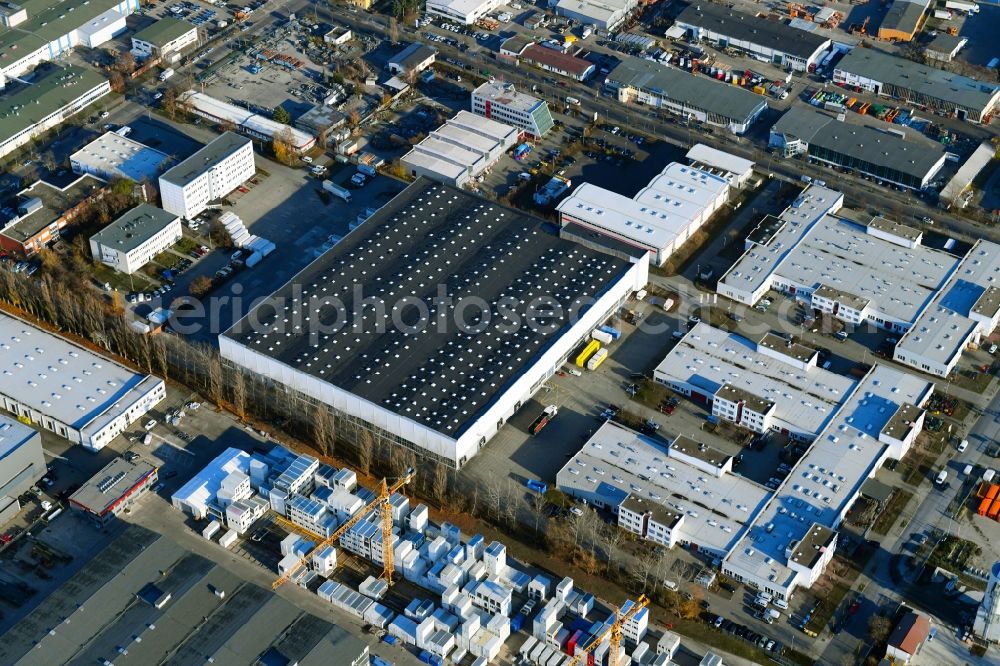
pixel 571 643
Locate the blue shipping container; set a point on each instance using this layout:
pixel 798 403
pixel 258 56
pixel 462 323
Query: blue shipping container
pixel 516 622
pixel 390 639
pixel 429 658
pixel 537 486
pixel 610 330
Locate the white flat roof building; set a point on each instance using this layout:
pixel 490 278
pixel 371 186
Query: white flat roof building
pixel 35 31
pixel 619 467
pixel 168 35
pixel 465 12
pixel 131 241
pixel 659 219
pixel 75 393
pixel 779 381
pixel 195 496
pixel 736 170
pixel 876 272
pixel 791 540
pixel 248 123
pixel 502 102
pixel 605 14
pixel 461 149
pixel 53 95
pixel 211 173
pixel 111 155
pixel 963 312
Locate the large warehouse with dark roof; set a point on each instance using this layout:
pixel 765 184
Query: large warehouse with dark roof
pixel 762 38
pixel 698 98
pixel 434 321
pixel 911 163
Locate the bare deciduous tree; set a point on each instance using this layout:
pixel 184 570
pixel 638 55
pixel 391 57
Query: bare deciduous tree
pixel 364 449
pixel 324 430
pixel 439 482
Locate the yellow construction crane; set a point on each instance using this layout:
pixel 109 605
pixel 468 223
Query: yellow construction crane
pixel 613 633
pixel 381 503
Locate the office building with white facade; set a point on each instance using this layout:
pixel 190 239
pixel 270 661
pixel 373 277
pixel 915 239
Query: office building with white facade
pixel 131 241
pixel 684 493
pixel 167 35
pixel 793 538
pixel 52 383
pixel 465 12
pixel 736 170
pixel 658 220
pixel 461 150
pixel 112 155
pixel 500 101
pixel 857 270
pixel 404 387
pixel 763 386
pixel 210 174
pixel 36 31
pixel 54 94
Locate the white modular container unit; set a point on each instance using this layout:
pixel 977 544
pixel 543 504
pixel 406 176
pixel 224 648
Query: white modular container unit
pixel 211 529
pixel 287 563
pixel 324 561
pixel 404 629
pixel 351 601
pixel 499 626
pixel 379 616
pixel 601 336
pixel 528 646
pixel 437 549
pixel 402 549
pixel 450 596
pixel 373 587
pixel 465 608
pixel 445 621
pixel 326 590
pixel 459 655
pixel 478 571
pixel 228 539
pixel 418 518
pixel 539 653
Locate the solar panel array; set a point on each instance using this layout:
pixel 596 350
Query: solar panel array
pixel 432 239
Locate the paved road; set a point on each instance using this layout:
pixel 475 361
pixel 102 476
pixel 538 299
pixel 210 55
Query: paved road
pixel 881 590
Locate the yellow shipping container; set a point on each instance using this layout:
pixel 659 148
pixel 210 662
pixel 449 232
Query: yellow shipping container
pixel 587 352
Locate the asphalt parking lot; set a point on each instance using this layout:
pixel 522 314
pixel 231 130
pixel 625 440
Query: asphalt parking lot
pixel 285 208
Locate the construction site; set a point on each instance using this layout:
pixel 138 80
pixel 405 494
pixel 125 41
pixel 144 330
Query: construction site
pixel 426 588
